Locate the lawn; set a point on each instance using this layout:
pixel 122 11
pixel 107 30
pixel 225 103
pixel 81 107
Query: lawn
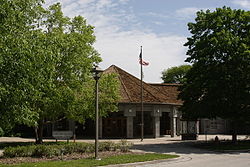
pixel 90 162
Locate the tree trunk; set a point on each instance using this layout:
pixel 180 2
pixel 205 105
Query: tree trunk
pixel 234 138
pixel 234 134
pixel 39 132
pixel 36 135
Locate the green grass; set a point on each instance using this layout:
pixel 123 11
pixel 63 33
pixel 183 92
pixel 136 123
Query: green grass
pixel 225 145
pixel 90 162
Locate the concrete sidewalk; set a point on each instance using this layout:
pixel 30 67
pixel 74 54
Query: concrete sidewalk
pixel 165 139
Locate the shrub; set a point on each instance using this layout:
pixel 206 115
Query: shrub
pixel 107 146
pixel 19 151
pixel 69 149
pixel 40 151
pixel 58 149
pixel 10 152
pixel 85 147
pixel 124 145
pixel 47 150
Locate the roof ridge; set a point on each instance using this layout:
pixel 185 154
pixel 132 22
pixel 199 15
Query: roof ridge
pixel 143 83
pixel 128 73
pixel 125 88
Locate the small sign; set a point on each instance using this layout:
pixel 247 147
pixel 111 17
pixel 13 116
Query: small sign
pixel 62 135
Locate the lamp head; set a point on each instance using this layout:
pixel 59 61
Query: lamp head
pixel 96 72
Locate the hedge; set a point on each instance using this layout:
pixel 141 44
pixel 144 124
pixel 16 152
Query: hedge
pixel 59 149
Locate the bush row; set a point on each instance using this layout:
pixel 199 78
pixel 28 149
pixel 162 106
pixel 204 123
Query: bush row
pixel 62 149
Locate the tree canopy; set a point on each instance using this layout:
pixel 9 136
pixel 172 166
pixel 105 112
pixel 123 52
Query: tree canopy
pixel 218 84
pixel 175 74
pixel 45 64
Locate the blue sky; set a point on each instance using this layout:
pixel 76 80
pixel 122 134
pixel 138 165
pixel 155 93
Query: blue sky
pixel 160 26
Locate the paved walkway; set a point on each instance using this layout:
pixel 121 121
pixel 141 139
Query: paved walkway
pixel 194 157
pixel 165 139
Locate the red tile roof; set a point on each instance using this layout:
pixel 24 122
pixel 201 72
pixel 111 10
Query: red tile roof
pixel 152 93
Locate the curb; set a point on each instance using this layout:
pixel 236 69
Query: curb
pixel 147 162
pixel 232 151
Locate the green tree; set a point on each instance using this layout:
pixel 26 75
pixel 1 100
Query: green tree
pixel 15 22
pixel 175 74
pixel 218 84
pixel 45 64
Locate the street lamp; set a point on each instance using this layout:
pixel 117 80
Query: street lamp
pixel 96 74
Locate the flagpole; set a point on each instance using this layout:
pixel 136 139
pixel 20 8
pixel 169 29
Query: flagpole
pixel 142 112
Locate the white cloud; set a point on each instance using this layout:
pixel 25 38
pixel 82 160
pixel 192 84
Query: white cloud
pixel 124 1
pixel 122 49
pixel 158 23
pixel 242 3
pixel 105 3
pixel 159 15
pixel 186 12
pixel 121 46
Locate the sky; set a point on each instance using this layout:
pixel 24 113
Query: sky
pixel 159 26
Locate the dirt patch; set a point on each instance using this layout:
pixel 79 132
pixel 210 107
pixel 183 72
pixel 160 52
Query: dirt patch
pixel 17 160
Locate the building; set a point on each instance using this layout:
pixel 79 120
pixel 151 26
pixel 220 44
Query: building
pixel 161 114
pixel 160 108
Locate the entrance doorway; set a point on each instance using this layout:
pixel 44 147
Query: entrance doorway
pixel 148 124
pixel 114 126
pixel 165 128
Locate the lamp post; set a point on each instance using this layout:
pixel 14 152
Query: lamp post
pixel 96 74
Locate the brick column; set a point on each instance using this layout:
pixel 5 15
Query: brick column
pixel 156 114
pixel 173 121
pixel 130 113
pixel 178 124
pixel 156 126
pixel 173 126
pixel 130 127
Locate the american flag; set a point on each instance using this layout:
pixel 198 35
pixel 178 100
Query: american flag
pixel 141 61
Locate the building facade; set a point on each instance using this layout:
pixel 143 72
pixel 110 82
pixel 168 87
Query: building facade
pixel 160 109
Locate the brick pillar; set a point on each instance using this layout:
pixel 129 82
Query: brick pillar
pixel 173 126
pixel 156 126
pixel 130 113
pixel 156 114
pixel 130 127
pixel 178 124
